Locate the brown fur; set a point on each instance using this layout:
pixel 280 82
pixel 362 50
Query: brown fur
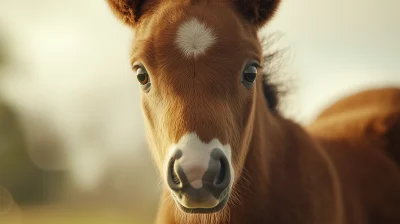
pixel 341 170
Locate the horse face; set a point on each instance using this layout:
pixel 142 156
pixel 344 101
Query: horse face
pixel 198 70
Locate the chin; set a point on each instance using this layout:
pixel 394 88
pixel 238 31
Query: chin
pixel 202 210
pixel 206 207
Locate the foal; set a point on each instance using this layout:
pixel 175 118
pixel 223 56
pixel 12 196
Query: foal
pixel 224 152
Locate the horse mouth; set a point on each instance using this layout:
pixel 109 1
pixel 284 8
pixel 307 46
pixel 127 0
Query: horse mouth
pixel 223 200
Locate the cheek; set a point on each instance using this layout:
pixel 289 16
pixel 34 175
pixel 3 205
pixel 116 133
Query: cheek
pixel 153 116
pixel 244 118
pixel 147 113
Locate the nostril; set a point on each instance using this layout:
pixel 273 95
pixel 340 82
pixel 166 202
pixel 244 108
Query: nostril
pixel 223 177
pixel 174 176
pixel 222 172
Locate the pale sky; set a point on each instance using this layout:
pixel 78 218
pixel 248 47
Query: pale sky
pixel 76 69
pixel 340 47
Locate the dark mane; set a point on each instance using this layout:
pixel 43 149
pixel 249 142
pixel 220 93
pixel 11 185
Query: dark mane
pixel 274 88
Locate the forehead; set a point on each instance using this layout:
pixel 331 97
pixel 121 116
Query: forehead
pixel 207 30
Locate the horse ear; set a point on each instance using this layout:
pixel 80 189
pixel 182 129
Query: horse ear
pixel 131 11
pixel 258 12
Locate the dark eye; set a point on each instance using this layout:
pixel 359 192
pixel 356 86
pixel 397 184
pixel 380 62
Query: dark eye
pixel 142 76
pixel 250 74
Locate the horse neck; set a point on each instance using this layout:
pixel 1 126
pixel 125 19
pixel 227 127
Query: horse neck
pixel 282 155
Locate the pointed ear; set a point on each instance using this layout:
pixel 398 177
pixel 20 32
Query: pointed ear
pixel 257 12
pixel 131 11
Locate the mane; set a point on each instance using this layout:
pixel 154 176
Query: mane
pixel 274 80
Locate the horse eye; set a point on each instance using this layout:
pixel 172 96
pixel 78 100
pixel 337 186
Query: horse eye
pixel 249 75
pixel 142 76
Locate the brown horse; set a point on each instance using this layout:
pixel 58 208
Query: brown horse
pixel 225 153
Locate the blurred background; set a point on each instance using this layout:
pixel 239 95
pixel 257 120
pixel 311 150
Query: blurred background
pixel 72 142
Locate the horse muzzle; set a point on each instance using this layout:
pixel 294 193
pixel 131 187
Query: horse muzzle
pixel 200 176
